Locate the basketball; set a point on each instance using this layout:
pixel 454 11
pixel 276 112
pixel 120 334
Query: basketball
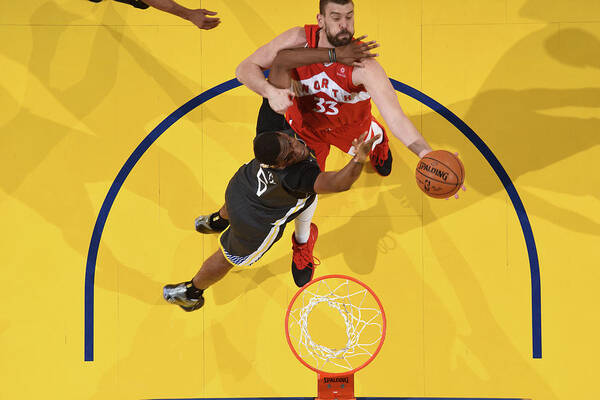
pixel 440 174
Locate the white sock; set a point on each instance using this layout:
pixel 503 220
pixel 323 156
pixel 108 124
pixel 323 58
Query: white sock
pixel 302 232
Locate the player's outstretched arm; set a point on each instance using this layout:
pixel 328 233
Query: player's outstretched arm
pixel 288 59
pixel 250 71
pixel 202 18
pixel 342 180
pixel 377 83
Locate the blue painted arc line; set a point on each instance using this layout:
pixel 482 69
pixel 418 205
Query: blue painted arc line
pixel 90 270
pixel 233 83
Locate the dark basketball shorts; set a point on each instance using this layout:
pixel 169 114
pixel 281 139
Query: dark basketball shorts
pixel 243 243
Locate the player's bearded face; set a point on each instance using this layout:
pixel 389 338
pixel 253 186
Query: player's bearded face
pixel 340 38
pixel 338 23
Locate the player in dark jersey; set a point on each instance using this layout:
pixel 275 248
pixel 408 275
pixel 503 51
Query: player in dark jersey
pixel 261 198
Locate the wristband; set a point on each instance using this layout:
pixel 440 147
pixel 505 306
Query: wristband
pixel 332 55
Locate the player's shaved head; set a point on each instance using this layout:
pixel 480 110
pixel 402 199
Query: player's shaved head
pixel 279 150
pixel 323 4
pixel 267 147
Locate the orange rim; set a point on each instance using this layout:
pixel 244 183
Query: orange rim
pixel 287 333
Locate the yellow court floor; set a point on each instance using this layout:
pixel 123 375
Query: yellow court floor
pixel 83 84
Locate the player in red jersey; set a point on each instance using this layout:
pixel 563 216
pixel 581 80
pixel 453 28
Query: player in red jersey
pixel 330 104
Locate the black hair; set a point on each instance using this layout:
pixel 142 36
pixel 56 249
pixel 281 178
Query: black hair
pixel 323 4
pixel 267 147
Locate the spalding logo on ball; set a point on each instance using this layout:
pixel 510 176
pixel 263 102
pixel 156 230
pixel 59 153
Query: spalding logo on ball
pixel 440 174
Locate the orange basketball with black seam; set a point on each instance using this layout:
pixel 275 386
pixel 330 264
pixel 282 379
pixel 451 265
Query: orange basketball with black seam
pixel 440 174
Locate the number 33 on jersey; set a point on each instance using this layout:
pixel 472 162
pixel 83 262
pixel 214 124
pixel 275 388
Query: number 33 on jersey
pixel 327 107
pixel 321 101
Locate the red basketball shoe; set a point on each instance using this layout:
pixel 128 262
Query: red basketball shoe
pixel 303 261
pixel 381 158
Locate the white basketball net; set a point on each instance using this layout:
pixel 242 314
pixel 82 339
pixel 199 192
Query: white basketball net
pixel 339 295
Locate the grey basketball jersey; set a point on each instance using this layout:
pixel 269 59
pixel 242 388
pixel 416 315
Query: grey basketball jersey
pixel 260 202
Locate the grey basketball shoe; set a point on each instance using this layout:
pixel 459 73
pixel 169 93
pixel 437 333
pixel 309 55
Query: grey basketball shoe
pixel 178 294
pixel 212 223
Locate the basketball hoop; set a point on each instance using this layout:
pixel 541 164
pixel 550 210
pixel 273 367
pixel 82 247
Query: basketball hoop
pixel 357 311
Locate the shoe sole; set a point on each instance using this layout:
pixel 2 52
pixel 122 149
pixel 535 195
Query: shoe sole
pixel 201 229
pixel 193 308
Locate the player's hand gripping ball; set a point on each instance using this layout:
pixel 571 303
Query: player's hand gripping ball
pixel 440 174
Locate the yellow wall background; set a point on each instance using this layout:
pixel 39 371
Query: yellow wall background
pixel 82 84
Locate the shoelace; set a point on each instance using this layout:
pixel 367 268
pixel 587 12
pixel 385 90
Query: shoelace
pixel 310 263
pixel 303 260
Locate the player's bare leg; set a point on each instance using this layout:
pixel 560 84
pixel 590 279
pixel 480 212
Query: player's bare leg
pixel 214 268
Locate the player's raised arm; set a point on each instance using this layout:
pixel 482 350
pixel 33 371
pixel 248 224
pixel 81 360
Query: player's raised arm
pixel 288 59
pixel 342 180
pixel 202 18
pixel 250 71
pixel 377 83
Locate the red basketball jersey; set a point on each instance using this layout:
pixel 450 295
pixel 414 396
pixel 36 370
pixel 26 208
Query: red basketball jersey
pixel 326 99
